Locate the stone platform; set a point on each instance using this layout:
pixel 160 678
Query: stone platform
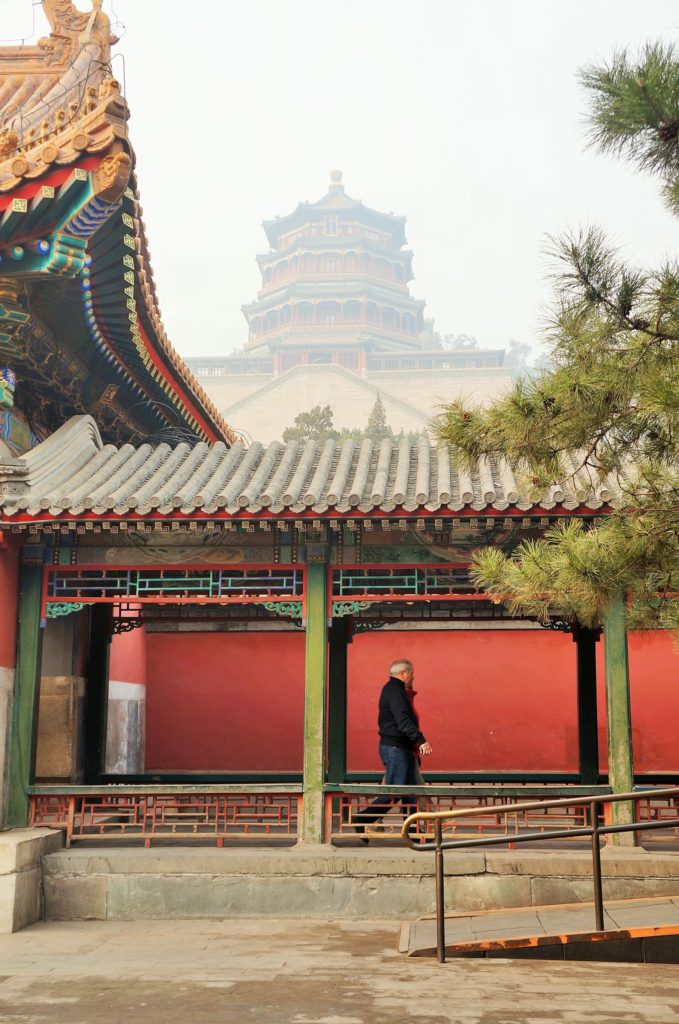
pixel 131 883
pixel 21 856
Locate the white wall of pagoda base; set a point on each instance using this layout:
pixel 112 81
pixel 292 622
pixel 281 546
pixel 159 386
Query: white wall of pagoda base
pixel 125 728
pixel 6 695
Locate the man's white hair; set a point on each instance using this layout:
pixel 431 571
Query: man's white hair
pixel 403 665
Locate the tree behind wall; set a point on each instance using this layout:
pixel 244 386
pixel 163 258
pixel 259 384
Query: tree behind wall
pixel 317 425
pixel 314 425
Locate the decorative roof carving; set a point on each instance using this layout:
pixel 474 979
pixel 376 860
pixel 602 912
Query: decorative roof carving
pixel 59 105
pixel 66 20
pixel 58 99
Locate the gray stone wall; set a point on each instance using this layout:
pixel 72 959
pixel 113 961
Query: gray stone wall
pixel 189 882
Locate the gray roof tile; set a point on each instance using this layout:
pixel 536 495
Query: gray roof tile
pixel 73 472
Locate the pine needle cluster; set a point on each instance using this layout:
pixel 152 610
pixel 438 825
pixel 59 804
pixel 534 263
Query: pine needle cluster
pixel 609 406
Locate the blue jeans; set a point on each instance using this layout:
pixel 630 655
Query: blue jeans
pixel 399 765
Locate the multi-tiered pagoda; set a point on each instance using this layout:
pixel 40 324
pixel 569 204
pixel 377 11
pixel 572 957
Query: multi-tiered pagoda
pixel 335 286
pixel 334 323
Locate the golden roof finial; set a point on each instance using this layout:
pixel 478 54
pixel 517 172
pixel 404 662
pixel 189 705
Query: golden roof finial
pixel 336 181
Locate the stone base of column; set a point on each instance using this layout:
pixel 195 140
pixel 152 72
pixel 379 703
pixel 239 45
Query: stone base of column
pixel 125 728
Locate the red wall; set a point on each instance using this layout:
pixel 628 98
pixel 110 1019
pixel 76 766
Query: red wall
pixel 127 662
pixel 489 700
pixel 9 599
pixel 654 685
pixel 505 701
pixel 225 701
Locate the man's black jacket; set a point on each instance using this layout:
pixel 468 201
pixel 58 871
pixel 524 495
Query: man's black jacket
pixel 396 720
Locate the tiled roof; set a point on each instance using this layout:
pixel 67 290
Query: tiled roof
pixel 73 472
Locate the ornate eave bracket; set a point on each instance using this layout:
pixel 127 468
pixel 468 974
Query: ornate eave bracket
pixel 285 609
pixel 56 610
pixel 342 608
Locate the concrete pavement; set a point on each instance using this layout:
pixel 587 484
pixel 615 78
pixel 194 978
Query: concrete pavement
pixel 300 972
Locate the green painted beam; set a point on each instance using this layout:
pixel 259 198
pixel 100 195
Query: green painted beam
pixel 315 670
pixel 39 209
pixel 23 738
pixel 13 218
pixel 618 714
pixel 74 192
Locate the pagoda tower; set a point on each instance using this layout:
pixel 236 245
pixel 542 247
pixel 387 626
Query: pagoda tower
pixel 335 286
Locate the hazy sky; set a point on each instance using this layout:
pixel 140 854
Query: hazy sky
pixel 464 115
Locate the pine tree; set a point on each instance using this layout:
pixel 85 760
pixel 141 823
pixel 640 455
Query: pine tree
pixel 609 402
pixel 377 427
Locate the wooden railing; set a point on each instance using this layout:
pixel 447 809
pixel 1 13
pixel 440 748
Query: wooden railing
pixel 343 804
pixel 148 813
pixel 270 811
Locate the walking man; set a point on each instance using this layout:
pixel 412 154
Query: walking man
pixel 400 739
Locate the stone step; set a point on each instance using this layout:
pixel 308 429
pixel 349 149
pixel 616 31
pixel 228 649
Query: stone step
pixel 172 882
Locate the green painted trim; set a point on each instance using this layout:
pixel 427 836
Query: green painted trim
pixel 23 739
pixel 520 793
pixel 315 670
pixel 121 790
pixel 618 714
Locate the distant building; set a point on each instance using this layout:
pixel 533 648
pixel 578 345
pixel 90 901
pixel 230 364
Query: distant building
pixel 334 323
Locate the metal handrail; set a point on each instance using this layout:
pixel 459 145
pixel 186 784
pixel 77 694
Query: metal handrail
pixel 594 830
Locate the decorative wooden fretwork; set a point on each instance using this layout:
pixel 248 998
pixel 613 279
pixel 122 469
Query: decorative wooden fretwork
pixel 124 813
pixel 55 609
pixel 398 583
pixel 347 810
pixel 342 608
pixel 344 811
pixel 293 609
pixel 175 585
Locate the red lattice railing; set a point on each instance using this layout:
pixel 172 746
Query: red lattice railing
pixel 344 811
pixel 179 816
pixel 272 813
